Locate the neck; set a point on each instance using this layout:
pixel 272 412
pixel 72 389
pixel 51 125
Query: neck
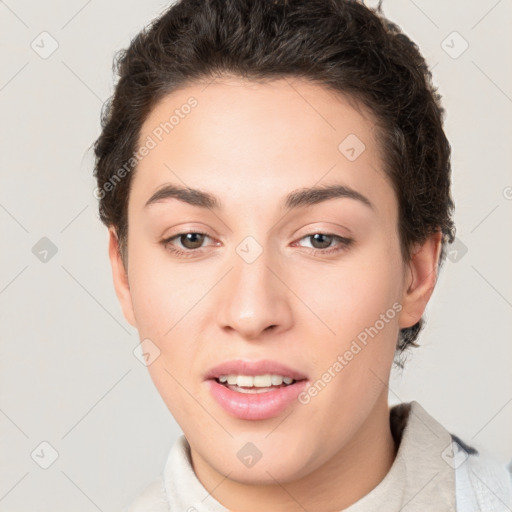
pixel 344 479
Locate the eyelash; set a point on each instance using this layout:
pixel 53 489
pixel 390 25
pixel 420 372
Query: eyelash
pixel 344 244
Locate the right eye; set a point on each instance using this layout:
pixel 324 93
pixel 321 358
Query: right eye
pixel 191 243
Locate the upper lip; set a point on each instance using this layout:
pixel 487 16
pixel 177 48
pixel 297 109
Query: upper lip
pixel 246 367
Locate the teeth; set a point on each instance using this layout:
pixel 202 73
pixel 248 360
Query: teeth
pixel 258 381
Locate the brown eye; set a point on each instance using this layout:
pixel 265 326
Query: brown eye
pixel 321 240
pixel 185 244
pixel 192 240
pixel 326 243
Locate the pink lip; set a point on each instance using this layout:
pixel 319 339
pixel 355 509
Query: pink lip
pixel 241 367
pixel 258 406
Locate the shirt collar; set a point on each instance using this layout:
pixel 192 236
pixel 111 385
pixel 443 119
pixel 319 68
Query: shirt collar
pixel 421 478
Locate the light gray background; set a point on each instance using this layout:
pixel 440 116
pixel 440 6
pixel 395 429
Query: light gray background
pixel 68 373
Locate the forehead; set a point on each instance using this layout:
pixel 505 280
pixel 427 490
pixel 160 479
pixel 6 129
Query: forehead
pixel 259 140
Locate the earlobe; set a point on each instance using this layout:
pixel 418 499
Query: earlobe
pixel 420 280
pixel 120 278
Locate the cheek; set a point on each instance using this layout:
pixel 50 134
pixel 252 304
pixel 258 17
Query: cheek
pixel 167 299
pixel 348 296
pixel 357 304
pixel 352 367
pixel 163 302
pixel 161 293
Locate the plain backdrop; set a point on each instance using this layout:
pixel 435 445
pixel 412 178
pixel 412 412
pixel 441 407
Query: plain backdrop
pixel 68 375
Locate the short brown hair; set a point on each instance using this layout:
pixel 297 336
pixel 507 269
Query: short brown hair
pixel 339 44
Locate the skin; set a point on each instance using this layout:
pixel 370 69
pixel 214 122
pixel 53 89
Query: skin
pixel 251 144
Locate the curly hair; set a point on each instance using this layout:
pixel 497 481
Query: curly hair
pixel 342 45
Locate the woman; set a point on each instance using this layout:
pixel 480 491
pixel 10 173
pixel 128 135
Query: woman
pixel 276 182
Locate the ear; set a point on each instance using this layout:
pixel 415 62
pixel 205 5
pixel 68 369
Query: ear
pixel 120 277
pixel 421 277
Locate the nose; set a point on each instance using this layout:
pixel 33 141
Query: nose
pixel 254 299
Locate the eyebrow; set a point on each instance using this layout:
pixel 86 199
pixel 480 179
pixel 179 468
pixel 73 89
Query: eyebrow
pixel 300 198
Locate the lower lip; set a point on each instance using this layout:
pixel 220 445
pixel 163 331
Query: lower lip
pixel 255 406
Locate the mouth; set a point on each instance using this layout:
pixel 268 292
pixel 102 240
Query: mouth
pixel 256 403
pixel 255 384
pixel 255 390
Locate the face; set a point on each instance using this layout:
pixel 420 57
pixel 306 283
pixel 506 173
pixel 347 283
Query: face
pixel 266 273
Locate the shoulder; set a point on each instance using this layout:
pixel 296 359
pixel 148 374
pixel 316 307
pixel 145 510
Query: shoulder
pixel 482 483
pixel 153 499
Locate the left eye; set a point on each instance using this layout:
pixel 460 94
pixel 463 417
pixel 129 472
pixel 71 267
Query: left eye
pixel 322 241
